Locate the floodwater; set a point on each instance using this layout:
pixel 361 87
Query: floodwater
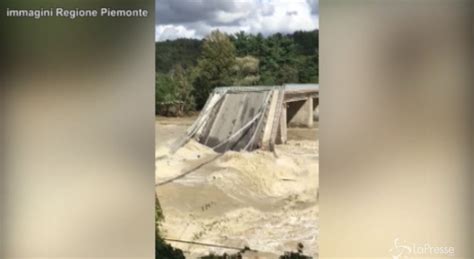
pixel 266 201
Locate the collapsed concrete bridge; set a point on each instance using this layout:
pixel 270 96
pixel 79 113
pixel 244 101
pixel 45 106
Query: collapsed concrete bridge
pixel 252 117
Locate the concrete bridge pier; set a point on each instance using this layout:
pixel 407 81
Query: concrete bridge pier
pixel 300 113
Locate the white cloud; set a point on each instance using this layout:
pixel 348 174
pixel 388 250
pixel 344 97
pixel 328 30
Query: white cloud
pixel 288 16
pixel 251 16
pixel 171 32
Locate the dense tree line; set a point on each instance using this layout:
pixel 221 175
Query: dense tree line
pixel 187 70
pixel 183 52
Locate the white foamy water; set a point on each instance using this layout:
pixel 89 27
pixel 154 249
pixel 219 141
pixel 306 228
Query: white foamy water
pixel 254 199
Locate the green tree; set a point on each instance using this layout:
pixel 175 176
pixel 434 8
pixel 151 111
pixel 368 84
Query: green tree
pixel 183 52
pixel 307 41
pixel 173 93
pixel 278 60
pixel 183 82
pixel 308 69
pixel 286 73
pixel 215 66
pixel 291 58
pixel 165 89
pixel 246 71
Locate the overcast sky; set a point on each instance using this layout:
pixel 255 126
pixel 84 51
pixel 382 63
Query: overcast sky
pixel 196 18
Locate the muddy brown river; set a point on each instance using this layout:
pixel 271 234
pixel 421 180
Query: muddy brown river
pixel 258 199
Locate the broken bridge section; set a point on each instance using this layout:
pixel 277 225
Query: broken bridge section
pixel 247 118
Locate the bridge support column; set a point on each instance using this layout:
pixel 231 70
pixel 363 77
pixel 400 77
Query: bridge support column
pixel 316 109
pixel 282 135
pixel 300 113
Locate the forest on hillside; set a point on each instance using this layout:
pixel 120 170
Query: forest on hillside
pixel 187 70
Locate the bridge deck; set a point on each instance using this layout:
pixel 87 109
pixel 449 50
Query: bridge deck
pixel 300 92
